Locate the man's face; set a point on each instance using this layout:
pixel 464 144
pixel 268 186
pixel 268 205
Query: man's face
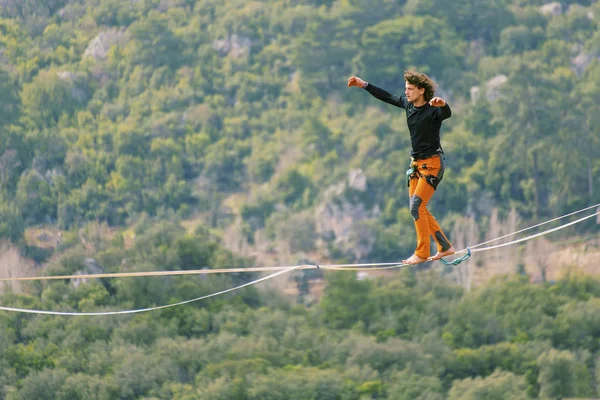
pixel 412 92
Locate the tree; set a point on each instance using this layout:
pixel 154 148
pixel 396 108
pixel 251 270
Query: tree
pixel 12 226
pixel 317 138
pixel 35 197
pixel 557 374
pixel 10 103
pixel 224 163
pixel 395 45
pixel 409 386
pixel 580 179
pixel 85 387
pixel 391 354
pixel 51 95
pixel 330 40
pixel 298 383
pixel 502 310
pixel 155 43
pixel 576 325
pixel 344 302
pixel 472 19
pixel 44 384
pixel 292 186
pixel 518 39
pixel 138 374
pixel 498 386
pixel 523 179
pixel 575 25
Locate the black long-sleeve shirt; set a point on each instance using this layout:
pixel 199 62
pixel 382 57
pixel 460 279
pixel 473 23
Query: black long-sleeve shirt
pixel 424 122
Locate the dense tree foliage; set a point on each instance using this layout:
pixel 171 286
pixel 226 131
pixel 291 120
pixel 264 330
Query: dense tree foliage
pixel 411 335
pixel 122 121
pixel 113 109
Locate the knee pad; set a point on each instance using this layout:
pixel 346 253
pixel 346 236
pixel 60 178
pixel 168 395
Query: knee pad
pixel 415 203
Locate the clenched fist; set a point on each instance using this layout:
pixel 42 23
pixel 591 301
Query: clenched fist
pixel 437 102
pixel 356 81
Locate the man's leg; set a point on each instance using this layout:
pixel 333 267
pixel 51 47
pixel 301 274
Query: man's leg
pixel 435 175
pixel 420 192
pixel 443 244
pixel 418 209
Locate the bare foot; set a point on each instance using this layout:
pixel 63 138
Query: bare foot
pixel 414 259
pixel 441 254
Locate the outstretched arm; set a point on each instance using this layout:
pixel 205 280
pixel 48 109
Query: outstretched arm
pixel 443 110
pixel 398 101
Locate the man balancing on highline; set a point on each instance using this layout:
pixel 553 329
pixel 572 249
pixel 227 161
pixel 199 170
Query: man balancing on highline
pixel 424 114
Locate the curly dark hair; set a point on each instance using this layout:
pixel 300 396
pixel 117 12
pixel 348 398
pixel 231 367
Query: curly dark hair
pixel 421 81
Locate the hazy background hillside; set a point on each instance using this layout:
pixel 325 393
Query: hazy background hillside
pixel 182 134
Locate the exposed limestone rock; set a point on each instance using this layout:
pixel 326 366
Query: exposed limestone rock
pixel 66 76
pixel 342 221
pixel 491 90
pixel 71 12
pixel 234 46
pixel 581 62
pixel 476 50
pixel 551 9
pixel 357 180
pixel 101 44
pixel 90 267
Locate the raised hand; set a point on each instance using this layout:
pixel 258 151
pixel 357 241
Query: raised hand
pixel 356 81
pixel 437 102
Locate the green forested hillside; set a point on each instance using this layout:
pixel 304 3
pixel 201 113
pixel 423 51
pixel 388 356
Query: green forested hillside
pixel 122 121
pixel 114 109
pixel 407 337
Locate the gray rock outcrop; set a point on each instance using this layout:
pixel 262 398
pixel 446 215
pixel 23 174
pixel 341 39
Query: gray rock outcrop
pixel 551 9
pixel 342 221
pixel 234 46
pixel 101 44
pixel 90 267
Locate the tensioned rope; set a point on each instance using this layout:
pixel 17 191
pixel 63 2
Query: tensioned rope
pixel 29 311
pixel 189 272
pixel 282 270
pixel 348 267
pixel 473 249
pixel 535 235
pixel 538 225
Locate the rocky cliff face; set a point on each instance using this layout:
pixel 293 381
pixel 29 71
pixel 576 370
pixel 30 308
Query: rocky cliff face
pixel 234 46
pixel 340 219
pixel 552 9
pixel 101 44
pixel 491 90
pixel 90 267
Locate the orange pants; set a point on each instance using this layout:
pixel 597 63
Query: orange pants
pixel 422 183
